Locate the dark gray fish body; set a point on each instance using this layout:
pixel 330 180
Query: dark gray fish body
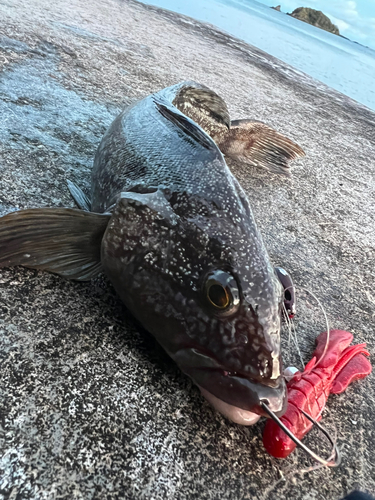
pixel 192 219
pixel 181 247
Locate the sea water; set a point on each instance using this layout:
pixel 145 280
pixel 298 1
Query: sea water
pixel 340 63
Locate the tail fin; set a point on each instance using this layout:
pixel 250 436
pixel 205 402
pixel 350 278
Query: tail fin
pixel 64 241
pixel 255 143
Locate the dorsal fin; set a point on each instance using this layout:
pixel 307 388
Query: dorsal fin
pixel 188 126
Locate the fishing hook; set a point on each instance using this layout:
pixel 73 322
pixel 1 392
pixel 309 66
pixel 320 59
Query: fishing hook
pixel 333 460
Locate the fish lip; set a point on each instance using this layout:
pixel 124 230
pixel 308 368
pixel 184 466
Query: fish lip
pixel 233 413
pixel 216 365
pixel 235 389
pixel 274 397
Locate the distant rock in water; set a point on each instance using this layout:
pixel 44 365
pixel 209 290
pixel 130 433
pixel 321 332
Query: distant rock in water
pixel 316 18
pixel 278 8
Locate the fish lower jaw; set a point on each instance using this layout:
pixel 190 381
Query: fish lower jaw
pixel 233 413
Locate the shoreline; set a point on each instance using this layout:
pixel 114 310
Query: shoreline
pixel 283 67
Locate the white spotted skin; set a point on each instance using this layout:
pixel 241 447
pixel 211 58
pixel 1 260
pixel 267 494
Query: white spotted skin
pixel 182 215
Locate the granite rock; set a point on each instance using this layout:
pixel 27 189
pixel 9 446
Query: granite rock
pixel 90 406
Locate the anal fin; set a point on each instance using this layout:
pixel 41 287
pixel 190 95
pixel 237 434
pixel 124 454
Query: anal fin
pixel 255 143
pixel 64 241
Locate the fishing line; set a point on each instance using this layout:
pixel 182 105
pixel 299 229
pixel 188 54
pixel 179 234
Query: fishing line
pixel 335 458
pixel 327 325
pixel 293 334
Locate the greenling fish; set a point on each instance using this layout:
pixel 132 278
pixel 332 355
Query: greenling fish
pixel 173 230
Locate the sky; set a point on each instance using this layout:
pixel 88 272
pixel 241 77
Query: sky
pixel 354 18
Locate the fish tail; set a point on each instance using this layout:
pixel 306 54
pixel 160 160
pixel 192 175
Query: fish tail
pixel 255 143
pixel 64 241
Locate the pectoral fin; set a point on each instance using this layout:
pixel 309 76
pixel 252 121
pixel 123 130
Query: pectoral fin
pixel 64 241
pixel 255 143
pixel 83 202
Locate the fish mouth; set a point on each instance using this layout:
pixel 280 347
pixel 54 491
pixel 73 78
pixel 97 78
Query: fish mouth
pixel 233 413
pixel 236 396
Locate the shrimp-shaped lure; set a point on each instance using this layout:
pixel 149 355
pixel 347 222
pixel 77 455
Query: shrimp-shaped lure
pixel 308 391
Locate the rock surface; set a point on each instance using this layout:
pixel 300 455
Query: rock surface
pixel 90 406
pixel 316 18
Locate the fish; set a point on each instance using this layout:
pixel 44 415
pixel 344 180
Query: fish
pixel 330 371
pixel 172 229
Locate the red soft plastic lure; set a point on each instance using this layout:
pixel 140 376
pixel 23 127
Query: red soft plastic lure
pixel 309 390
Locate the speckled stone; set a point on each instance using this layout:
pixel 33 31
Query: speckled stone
pixel 90 406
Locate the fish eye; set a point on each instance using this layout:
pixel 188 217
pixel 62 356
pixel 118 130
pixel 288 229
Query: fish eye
pixel 221 290
pixel 218 296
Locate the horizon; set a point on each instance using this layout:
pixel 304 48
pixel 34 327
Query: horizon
pixel 354 19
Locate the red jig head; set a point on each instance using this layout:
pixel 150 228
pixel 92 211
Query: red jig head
pixel 330 371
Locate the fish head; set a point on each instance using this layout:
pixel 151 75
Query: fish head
pixel 205 288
